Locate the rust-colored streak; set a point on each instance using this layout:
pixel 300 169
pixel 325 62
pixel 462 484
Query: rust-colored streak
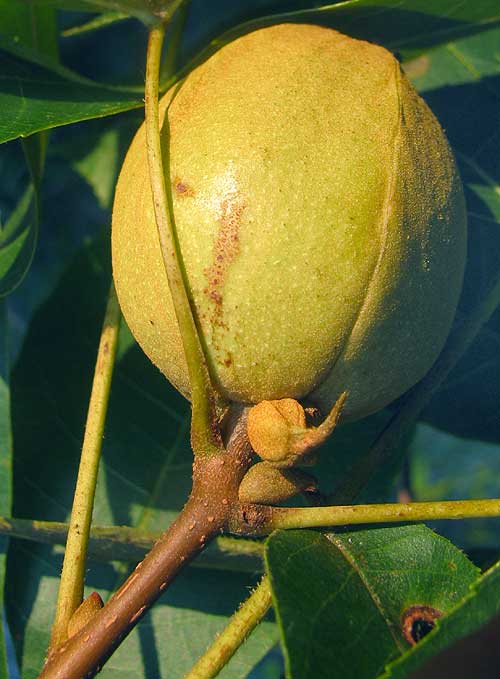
pixel 226 250
pixel 182 189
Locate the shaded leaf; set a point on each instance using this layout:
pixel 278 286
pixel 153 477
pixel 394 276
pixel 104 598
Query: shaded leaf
pixel 5 465
pixel 461 83
pixel 445 467
pixel 407 26
pixel 30 53
pixel 94 24
pixel 122 543
pixel 36 28
pixel 55 96
pixel 144 481
pixel 71 5
pixel 70 216
pixel 18 237
pixel 98 163
pixel 146 10
pixel 344 450
pixel 35 148
pixel 480 605
pixel 340 601
pixel 30 25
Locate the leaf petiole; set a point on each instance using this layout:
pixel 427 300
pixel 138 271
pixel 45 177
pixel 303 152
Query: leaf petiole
pixel 72 577
pixel 204 435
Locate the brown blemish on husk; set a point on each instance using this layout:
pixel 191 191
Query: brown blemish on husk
pixel 182 189
pixel 226 249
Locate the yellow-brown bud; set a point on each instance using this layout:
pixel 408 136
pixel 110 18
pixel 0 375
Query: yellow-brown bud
pixel 278 433
pixel 265 484
pixel 84 613
pixel 270 427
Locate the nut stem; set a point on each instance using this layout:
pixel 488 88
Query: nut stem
pixel 205 437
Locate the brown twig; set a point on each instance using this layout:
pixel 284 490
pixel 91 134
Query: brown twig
pixel 208 512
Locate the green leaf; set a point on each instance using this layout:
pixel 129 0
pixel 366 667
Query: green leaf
pixel 30 25
pixel 98 159
pixel 95 24
pixel 407 26
pixel 5 465
pixel 476 609
pixel 36 28
pixel 149 11
pixel 39 96
pixel 18 237
pixel 70 216
pixel 144 481
pixel 35 149
pixel 445 467
pixel 71 5
pixel 340 600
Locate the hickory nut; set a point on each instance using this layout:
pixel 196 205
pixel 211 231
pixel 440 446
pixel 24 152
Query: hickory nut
pixel 320 217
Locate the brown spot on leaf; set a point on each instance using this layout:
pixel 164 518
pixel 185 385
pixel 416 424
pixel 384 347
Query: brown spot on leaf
pixel 417 621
